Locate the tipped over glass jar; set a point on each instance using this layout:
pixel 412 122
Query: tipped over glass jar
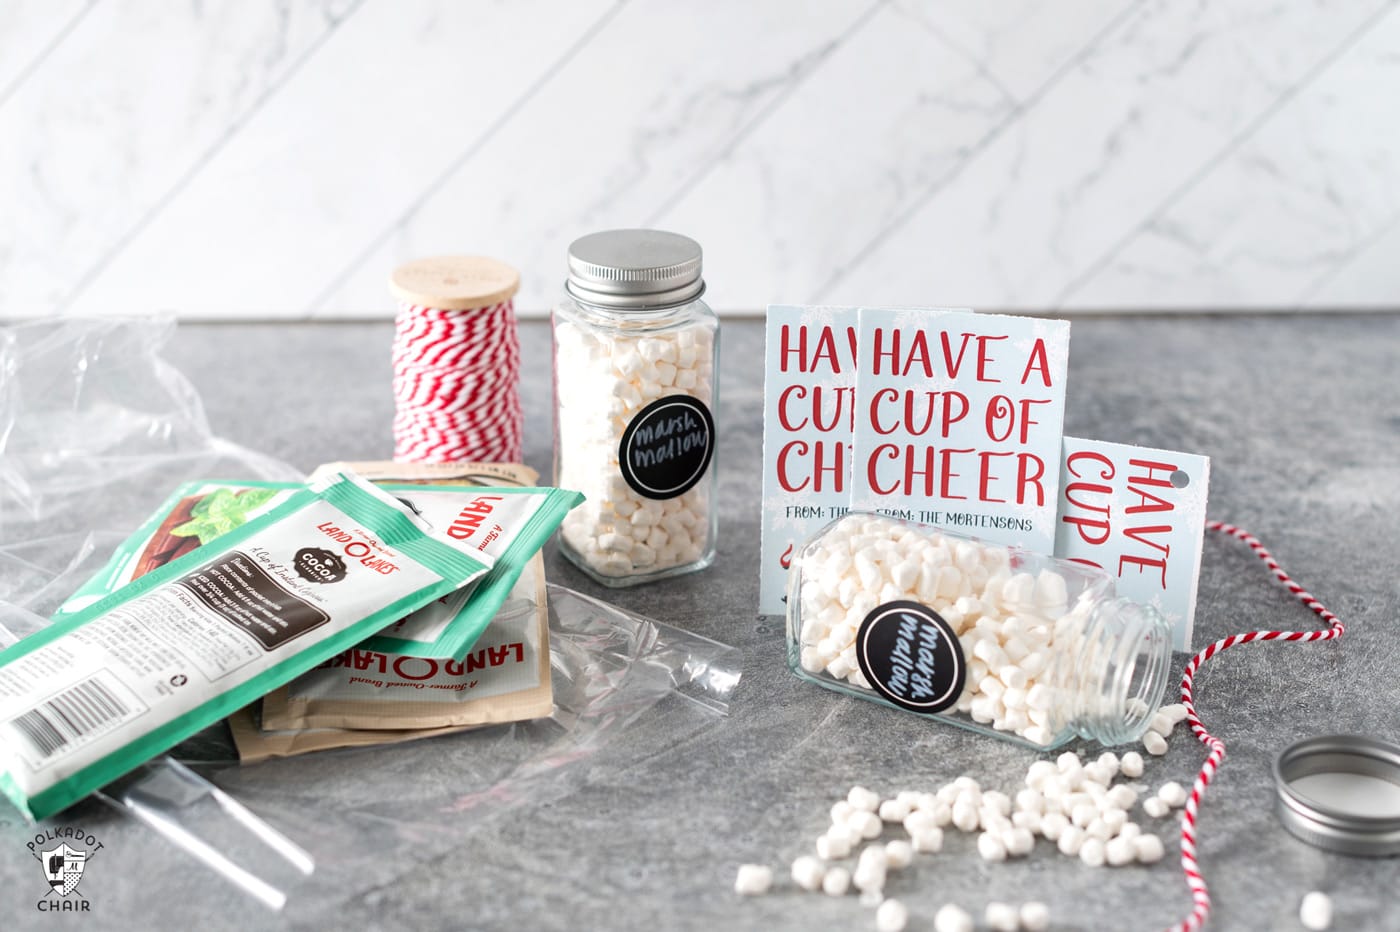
pixel 991 638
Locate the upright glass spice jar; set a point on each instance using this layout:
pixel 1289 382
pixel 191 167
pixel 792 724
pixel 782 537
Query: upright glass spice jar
pixel 636 357
pixel 991 638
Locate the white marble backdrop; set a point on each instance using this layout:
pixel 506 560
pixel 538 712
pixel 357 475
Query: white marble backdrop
pixel 276 158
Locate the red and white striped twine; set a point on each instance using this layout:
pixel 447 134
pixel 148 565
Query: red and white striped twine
pixel 1200 895
pixel 457 385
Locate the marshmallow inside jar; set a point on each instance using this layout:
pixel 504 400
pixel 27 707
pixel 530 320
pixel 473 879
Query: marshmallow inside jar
pixel 988 637
pixel 635 359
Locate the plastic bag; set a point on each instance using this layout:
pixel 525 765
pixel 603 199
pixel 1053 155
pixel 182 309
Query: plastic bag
pixel 95 431
pixel 626 689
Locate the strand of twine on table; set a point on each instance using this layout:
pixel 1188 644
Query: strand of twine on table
pixel 1200 894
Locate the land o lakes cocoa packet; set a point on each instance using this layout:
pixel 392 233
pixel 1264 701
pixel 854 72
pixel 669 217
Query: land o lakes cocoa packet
pixel 365 697
pixel 100 692
pixel 506 525
pixel 256 743
pixel 503 678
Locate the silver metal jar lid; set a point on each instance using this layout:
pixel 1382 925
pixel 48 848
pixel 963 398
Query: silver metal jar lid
pixel 1341 793
pixel 635 269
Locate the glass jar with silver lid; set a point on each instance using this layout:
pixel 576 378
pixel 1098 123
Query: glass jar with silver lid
pixel 636 359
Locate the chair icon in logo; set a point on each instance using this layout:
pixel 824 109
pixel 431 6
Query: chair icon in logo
pixel 63 866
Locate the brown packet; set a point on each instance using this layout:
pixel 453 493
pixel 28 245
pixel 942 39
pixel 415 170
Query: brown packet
pixel 505 678
pixel 437 473
pixel 254 744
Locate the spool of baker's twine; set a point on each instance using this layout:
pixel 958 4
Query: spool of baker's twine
pixel 456 361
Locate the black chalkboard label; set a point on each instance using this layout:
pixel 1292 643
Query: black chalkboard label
pixel 911 656
pixel 667 446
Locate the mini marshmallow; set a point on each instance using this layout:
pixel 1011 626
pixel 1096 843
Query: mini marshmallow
pixel 1099 830
pixel 1039 697
pixel 862 799
pixel 753 879
pixel 952 918
pixel 840 812
pixel 1173 794
pixel 1119 851
pixel 894 810
pixel 1034 664
pixel 1052 824
pixel 909 798
pixel 1109 761
pixel 965 817
pixel 1121 796
pixel 1072 801
pixel 1018 842
pixel 1038 771
pixel 1038 734
pixel 836 882
pixel 1154 743
pixel 1092 852
pixel 997 802
pixel 1013 677
pixel 990 847
pixel 928 841
pixel 807 872
pixel 1095 774
pixel 866 824
pixel 1315 911
pixel 920 820
pixel 892 916
pixel 898 854
pixel 1071 840
pixel 1002 917
pixel 905 575
pixel 833 847
pixel 1148 848
pixel 1155 807
pixel 1131 765
pixel 1035 916
pixel 1176 712
pixel 870 872
pixel 1161 723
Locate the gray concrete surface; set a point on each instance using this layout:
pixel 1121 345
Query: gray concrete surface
pixel 1300 419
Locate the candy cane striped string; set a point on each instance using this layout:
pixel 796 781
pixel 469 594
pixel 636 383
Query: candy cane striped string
pixel 456 385
pixel 1200 895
